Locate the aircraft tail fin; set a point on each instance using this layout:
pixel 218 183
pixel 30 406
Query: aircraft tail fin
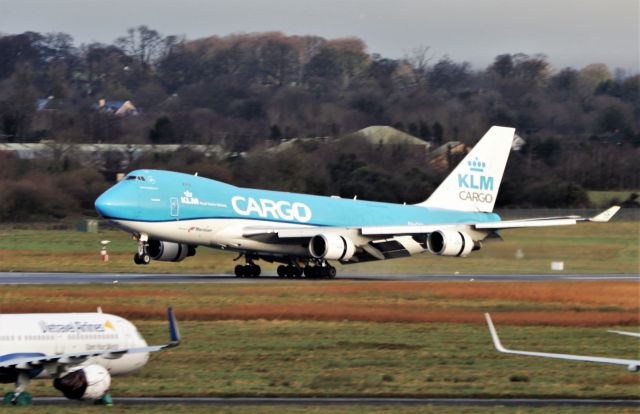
pixel 473 185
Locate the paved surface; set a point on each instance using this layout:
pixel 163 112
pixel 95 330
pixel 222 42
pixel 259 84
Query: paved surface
pixel 84 278
pixel 512 402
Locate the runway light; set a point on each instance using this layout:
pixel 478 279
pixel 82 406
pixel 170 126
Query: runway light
pixel 103 251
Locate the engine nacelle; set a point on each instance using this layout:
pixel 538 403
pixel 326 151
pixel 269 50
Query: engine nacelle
pixel 84 383
pixel 449 243
pixel 331 247
pixel 169 251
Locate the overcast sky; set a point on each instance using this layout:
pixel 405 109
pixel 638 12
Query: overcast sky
pixel 570 32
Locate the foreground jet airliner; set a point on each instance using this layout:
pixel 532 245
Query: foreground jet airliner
pixel 80 351
pixel 632 365
pixel 170 214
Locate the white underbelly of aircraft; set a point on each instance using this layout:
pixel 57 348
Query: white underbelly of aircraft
pixel 224 234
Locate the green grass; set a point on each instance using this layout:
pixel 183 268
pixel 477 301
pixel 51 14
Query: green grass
pixel 347 357
pixel 312 409
pixel 289 358
pixel 586 248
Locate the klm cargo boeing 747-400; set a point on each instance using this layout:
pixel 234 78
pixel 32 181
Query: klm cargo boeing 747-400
pixel 170 214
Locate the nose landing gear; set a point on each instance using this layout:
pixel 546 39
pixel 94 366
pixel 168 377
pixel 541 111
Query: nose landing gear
pixel 142 255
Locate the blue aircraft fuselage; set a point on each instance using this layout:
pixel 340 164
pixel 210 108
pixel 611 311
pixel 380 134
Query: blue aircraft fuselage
pixel 164 196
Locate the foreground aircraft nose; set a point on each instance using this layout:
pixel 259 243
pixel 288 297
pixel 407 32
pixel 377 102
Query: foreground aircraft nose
pixel 117 203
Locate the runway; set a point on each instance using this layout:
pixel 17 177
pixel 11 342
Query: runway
pixel 28 278
pixel 509 402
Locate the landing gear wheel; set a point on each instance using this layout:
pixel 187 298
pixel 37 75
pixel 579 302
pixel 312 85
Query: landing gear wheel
pixel 282 271
pixel 22 399
pixel 239 271
pixel 8 398
pixel 251 270
pixel 105 400
pixel 311 272
pixel 331 272
pixel 143 259
pixel 297 272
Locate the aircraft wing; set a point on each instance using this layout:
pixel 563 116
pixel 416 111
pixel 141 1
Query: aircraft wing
pixel 636 334
pixel 74 358
pixel 386 242
pixel 603 217
pixel 310 231
pixel 631 364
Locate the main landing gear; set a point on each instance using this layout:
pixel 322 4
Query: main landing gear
pixel 289 271
pixel 248 270
pixel 20 397
pixel 321 270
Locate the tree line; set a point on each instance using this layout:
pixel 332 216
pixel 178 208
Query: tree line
pixel 249 91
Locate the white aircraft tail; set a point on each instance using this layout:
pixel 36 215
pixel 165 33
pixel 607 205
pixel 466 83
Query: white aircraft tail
pixel 473 185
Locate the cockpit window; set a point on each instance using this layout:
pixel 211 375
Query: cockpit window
pixel 135 177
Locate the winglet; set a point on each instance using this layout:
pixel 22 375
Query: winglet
pixel 605 215
pixel 494 334
pixel 174 332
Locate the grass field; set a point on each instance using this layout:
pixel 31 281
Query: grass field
pixel 587 248
pixel 345 338
pixel 365 339
pixel 328 409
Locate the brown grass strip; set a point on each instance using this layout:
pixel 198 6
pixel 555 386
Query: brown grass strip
pixel 321 312
pixel 617 293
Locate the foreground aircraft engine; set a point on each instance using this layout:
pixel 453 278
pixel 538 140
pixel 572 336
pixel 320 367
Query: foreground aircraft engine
pixel 331 247
pixel 449 243
pixel 86 383
pixel 169 251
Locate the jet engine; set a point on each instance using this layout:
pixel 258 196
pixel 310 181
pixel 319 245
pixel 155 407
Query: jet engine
pixel 169 251
pixel 84 383
pixel 331 247
pixel 449 243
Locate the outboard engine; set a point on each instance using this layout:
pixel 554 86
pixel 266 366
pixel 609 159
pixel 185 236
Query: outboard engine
pixel 450 243
pixel 84 383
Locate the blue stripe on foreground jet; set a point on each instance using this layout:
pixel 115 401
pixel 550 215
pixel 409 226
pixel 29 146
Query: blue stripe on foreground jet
pixel 170 214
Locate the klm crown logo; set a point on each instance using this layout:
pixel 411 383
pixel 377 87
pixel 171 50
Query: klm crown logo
pixel 188 198
pixel 476 165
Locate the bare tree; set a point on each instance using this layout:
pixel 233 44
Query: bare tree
pixel 143 43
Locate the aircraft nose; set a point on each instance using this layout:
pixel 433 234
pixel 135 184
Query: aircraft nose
pixel 116 203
